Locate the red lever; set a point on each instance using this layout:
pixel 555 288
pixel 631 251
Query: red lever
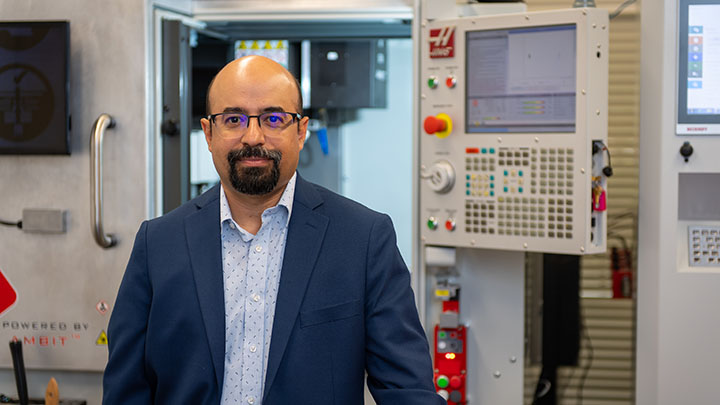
pixel 434 124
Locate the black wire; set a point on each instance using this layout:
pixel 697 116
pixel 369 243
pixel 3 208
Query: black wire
pixel 586 369
pixel 8 223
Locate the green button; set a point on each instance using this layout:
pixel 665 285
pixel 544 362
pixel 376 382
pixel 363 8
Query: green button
pixel 442 335
pixel 443 381
pixel 432 82
pixel 432 223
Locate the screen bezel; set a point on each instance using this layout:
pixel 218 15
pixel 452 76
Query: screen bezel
pixel 682 63
pixel 63 147
pixel 574 130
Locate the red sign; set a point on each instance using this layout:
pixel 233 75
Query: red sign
pixel 442 42
pixel 8 296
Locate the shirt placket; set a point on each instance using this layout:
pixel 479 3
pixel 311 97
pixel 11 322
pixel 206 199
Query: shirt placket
pixel 253 336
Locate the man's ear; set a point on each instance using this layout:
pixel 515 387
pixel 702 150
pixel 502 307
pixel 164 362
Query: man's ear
pixel 207 129
pixel 302 130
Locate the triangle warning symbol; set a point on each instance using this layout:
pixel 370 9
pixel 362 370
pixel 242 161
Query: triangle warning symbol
pixel 102 339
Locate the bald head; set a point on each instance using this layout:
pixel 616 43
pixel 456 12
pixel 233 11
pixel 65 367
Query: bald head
pixel 253 68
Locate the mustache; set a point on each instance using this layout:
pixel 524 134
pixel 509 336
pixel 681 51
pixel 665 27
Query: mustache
pixel 236 155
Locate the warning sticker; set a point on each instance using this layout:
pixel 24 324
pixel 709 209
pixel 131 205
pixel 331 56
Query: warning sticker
pixel 101 339
pixel 102 307
pixel 8 296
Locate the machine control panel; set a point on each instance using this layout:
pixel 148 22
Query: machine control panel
pixel 510 108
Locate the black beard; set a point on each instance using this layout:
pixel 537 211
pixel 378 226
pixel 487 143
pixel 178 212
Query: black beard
pixel 254 180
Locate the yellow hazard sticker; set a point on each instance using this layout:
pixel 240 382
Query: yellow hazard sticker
pixel 442 293
pixel 101 339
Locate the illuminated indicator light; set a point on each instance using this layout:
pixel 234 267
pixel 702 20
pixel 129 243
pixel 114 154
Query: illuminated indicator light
pixel 492 193
pixel 467 176
pixel 472 150
pixel 533 112
pixel 467 192
pixel 492 150
pixel 520 189
pixel 432 82
pixel 450 356
pixel 442 335
pixel 486 194
pixel 520 173
pixel 492 185
pixel 505 172
pixel 467 184
pixel 442 381
pixel 492 177
pixel 534 102
pixel 484 150
pixel 505 189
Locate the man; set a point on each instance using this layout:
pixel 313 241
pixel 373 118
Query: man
pixel 265 289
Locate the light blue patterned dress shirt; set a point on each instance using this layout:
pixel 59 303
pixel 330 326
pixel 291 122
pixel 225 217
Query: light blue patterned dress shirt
pixel 251 274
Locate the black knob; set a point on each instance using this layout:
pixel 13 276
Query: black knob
pixel 686 150
pixel 169 128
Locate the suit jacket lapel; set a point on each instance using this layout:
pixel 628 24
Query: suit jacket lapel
pixel 202 230
pixel 304 238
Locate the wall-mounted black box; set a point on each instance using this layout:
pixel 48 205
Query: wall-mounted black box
pixel 348 74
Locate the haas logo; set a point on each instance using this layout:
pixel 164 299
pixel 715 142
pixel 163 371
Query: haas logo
pixel 442 42
pixel 8 296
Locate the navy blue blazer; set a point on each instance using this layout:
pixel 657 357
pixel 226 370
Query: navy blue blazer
pixel 344 307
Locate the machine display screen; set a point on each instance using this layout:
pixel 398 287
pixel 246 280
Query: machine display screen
pixel 521 80
pixel 699 62
pixel 34 115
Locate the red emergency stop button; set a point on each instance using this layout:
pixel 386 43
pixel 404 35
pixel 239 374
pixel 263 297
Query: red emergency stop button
pixel 439 125
pixel 455 382
pixel 434 124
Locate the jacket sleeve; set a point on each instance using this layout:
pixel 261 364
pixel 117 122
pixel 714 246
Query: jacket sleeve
pixel 126 380
pixel 398 358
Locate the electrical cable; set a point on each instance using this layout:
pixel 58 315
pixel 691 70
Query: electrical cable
pixel 10 223
pixel 621 8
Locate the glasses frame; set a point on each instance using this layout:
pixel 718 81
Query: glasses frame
pixel 296 117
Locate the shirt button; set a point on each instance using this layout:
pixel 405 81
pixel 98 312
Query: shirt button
pixel 258 248
pixel 256 298
pixel 253 349
pixel 232 225
pixel 251 400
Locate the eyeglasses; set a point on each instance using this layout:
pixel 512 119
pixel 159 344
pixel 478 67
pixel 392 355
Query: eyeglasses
pixel 232 124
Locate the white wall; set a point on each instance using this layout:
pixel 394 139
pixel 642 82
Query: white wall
pixel 377 149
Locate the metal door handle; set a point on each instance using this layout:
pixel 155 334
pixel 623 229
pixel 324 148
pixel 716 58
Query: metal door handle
pixel 103 122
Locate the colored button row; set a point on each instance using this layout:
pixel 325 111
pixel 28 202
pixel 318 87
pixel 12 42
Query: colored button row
pixel 450 82
pixel 432 224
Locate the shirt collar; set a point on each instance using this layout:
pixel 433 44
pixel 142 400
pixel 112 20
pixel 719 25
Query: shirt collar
pixel 286 200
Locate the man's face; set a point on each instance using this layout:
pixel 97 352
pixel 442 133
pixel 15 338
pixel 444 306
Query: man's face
pixel 253 160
